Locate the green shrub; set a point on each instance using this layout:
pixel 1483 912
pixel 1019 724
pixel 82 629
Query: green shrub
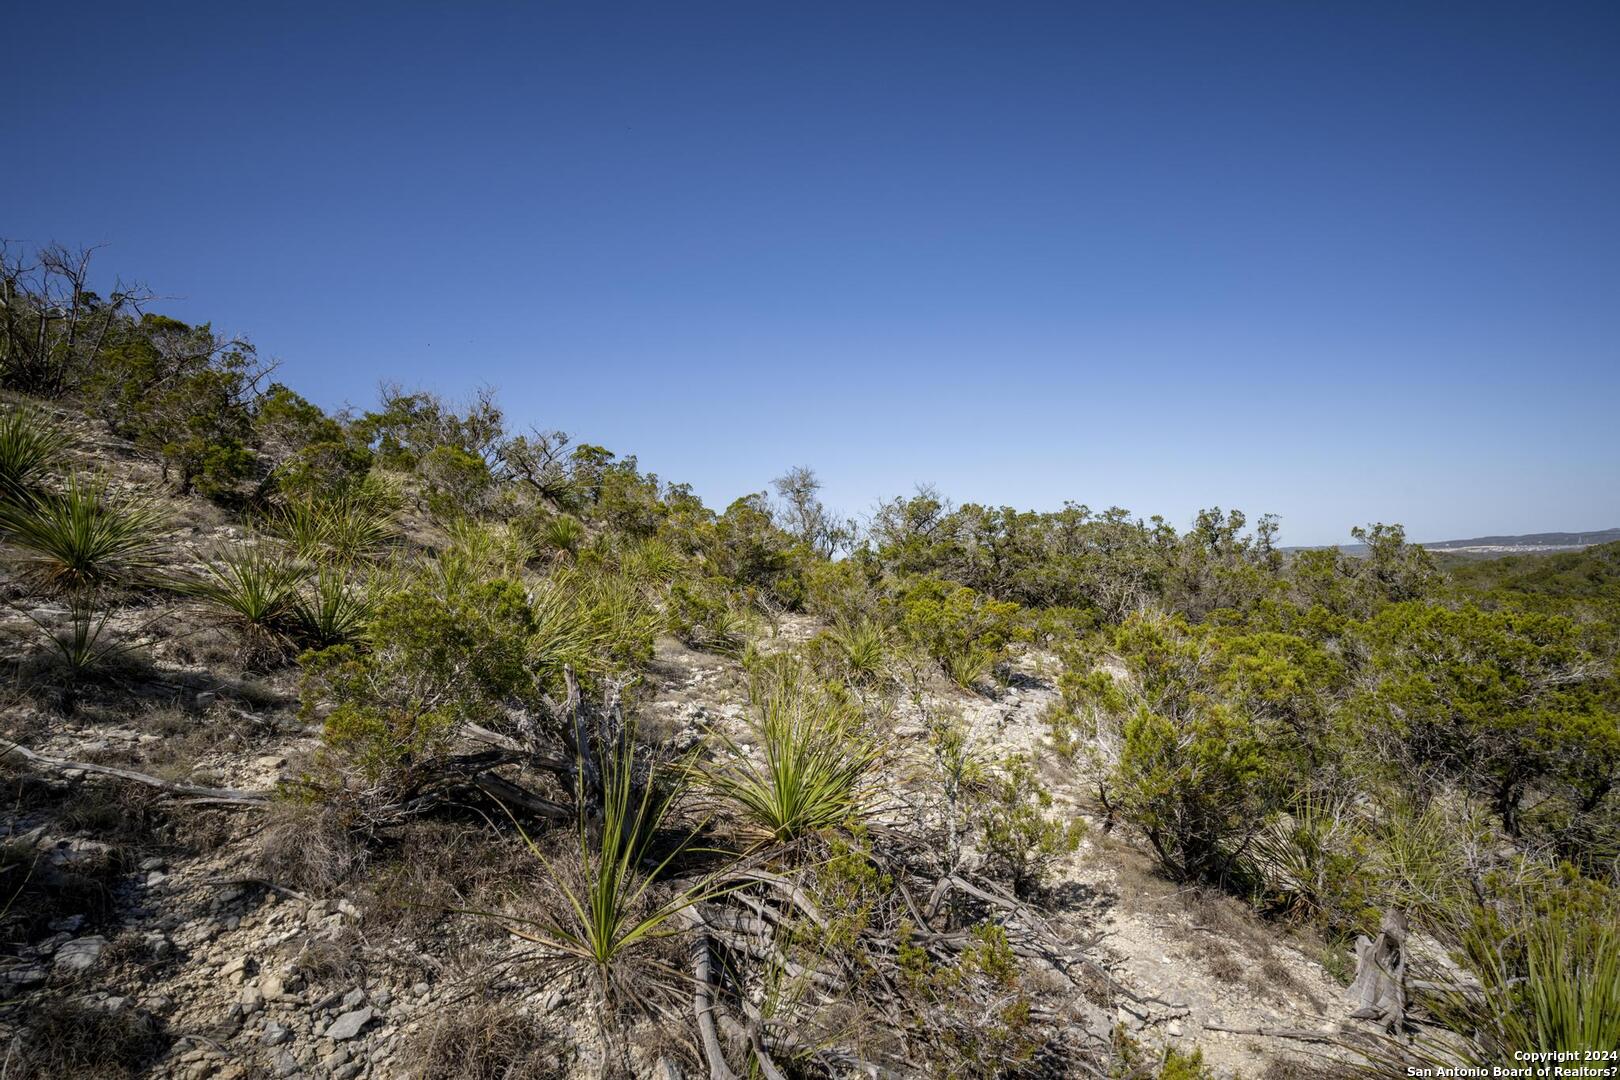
pixel 1133 1061
pixel 1020 835
pixel 1199 769
pixel 1314 863
pixel 441 658
pixel 307 454
pixel 980 1009
pixel 187 395
pixel 1504 702
pixel 744 548
pixel 482 551
pixel 848 592
pixel 703 616
pixel 1200 787
pixel 965 632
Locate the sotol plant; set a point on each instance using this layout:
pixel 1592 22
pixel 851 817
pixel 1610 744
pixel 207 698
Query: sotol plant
pixel 816 761
pixel 333 609
pixel 84 536
pixel 29 444
pixel 607 912
pixel 862 648
pixel 256 588
pixel 355 525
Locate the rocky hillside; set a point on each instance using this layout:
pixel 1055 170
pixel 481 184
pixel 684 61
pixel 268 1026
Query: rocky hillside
pixel 398 746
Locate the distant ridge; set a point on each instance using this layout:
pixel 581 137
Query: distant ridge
pixel 1549 541
pixel 1526 544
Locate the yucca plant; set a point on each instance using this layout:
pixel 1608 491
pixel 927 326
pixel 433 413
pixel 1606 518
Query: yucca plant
pixel 29 444
pixel 1540 974
pixel 257 588
pixel 562 534
pixel 84 537
pixel 968 666
pixel 607 911
pixel 651 562
pixel 816 762
pixel 347 528
pixel 863 649
pixel 1311 862
pixel 1421 854
pixel 332 609
pixel 481 552
pixel 83 646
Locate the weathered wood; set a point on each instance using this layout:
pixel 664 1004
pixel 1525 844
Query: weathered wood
pixel 703 1005
pixel 1302 1034
pixel 226 796
pixel 1379 989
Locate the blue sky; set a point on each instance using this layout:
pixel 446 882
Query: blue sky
pixel 1341 262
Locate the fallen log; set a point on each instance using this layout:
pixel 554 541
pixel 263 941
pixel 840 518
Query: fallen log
pixel 1303 1034
pixel 223 796
pixel 703 1005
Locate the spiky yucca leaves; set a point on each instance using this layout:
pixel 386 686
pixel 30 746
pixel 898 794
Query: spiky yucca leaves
pixel 256 587
pixel 482 552
pixel 608 912
pixel 1570 997
pixel 83 646
pixel 595 622
pixel 1312 862
pixel 863 650
pixel 562 534
pixel 84 537
pixel 652 563
pixel 816 761
pixel 29 444
pixel 969 666
pixel 349 527
pixel 1542 963
pixel 333 608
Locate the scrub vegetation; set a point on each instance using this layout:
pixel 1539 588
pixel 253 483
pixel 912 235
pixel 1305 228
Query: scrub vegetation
pixel 466 623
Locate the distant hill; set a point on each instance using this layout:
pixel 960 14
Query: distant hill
pixel 1492 546
pixel 1588 574
pixel 1528 544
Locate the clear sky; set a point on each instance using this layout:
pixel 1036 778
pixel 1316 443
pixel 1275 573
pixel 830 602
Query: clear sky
pixel 1339 261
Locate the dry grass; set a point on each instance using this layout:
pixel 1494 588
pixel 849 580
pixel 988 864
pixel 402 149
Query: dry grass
pixel 489 1040
pixel 434 868
pixel 67 1039
pixel 336 960
pixel 1219 962
pixel 304 846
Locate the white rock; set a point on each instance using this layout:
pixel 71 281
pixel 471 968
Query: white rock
pixel 80 954
pixel 349 1024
